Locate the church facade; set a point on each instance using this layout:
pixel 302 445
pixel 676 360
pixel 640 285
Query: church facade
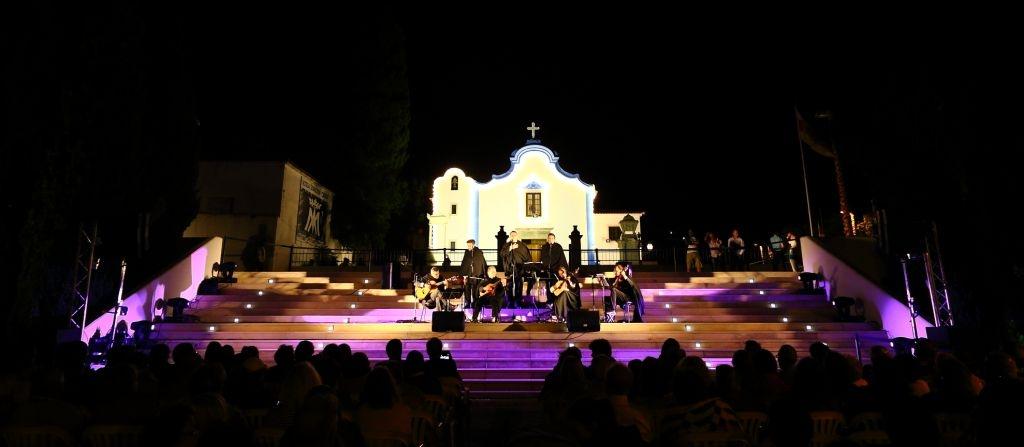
pixel 534 197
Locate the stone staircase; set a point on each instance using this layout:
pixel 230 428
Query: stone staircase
pixel 710 314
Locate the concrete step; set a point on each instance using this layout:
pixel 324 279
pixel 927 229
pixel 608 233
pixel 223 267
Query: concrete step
pixel 529 329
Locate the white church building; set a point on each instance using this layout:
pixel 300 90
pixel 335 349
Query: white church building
pixel 534 197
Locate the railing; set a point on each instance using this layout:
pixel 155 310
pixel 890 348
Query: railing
pixel 672 257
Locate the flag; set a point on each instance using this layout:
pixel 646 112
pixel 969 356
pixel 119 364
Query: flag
pixel 811 139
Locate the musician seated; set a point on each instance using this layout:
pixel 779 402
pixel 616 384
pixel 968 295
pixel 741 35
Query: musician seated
pixel 435 282
pixel 567 295
pixel 492 290
pixel 624 294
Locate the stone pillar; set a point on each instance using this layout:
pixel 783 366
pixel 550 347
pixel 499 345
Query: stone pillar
pixel 502 238
pixel 574 247
pixel 629 243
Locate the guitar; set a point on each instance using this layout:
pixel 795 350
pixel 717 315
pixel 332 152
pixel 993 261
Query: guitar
pixel 563 285
pixel 422 290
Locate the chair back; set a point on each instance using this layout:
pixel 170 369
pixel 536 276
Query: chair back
pixel 113 436
pixel 43 436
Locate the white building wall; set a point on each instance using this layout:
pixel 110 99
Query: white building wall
pixel 483 207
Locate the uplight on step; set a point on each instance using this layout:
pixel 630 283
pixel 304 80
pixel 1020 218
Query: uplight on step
pixel 366 281
pixel 352 306
pixel 667 305
pixel 809 328
pixel 260 293
pixel 697 345
pixel 270 281
pixel 248 305
pixel 751 280
pixel 237 320
pixel 330 328
pixel 785 319
pixel 675 320
pixel 572 345
pixel 773 305
pixel 212 328
pixel 689 328
pixel 761 292
pixel 359 292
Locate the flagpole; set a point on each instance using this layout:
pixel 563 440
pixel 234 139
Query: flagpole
pixel 807 190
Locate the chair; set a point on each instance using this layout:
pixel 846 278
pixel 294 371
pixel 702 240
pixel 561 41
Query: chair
pixel 268 436
pixel 867 421
pixel 43 436
pixel 715 439
pixel 113 436
pixel 254 417
pixel 437 407
pixel 753 424
pixel 825 427
pixel 424 430
pixel 869 438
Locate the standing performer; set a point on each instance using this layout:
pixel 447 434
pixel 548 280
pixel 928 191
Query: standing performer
pixel 553 257
pixel 492 290
pixel 474 266
pixel 567 294
pixel 693 253
pixel 515 254
pixel 624 292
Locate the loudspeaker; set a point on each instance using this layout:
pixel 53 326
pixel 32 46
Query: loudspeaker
pixel 584 321
pixel 444 321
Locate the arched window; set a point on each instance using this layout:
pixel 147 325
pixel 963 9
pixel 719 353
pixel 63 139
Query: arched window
pixel 455 183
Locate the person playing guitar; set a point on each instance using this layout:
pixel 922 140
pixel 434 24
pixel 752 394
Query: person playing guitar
pixel 429 288
pixel 493 291
pixel 567 294
pixel 624 293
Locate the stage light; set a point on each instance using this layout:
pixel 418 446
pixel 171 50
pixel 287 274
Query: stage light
pixel 270 281
pixel 809 328
pixel 366 281
pixel 689 328
pixel 650 247
pixel 359 292
pixel 260 293
pixel 773 305
pixel 352 306
pixel 152 327
pixel 330 328
pixel 785 319
pixel 212 328
pixel 248 305
pixel 761 292
pixel 572 345
pixel 675 320
pixel 751 280
pixel 844 308
pixel 697 345
pixel 667 305
pixel 808 279
pixel 237 320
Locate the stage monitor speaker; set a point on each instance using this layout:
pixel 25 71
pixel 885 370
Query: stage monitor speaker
pixel 444 321
pixel 584 321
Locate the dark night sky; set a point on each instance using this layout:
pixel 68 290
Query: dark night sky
pixel 691 121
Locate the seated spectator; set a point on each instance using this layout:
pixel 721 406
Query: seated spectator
pixel 381 413
pixel 695 408
pixel 300 379
pixel 437 366
pixel 618 381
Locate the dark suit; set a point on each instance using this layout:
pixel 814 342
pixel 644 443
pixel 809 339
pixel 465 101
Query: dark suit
pixel 473 265
pixel 553 257
pixel 514 260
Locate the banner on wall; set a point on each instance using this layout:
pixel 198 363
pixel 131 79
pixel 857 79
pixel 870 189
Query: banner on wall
pixel 314 207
